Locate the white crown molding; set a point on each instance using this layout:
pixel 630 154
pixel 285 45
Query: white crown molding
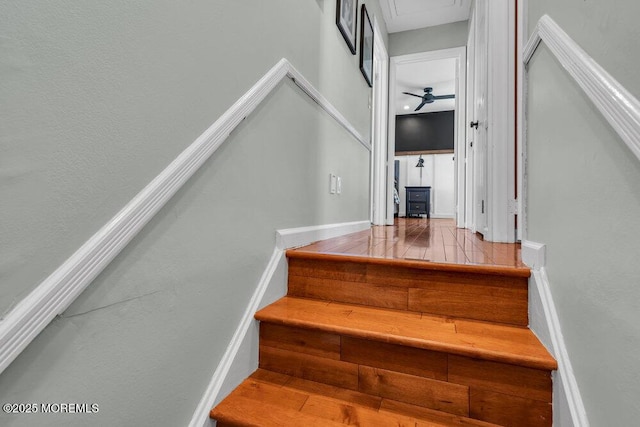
pixel 51 297
pixel 534 255
pixel 405 16
pixel 618 105
pixel 285 239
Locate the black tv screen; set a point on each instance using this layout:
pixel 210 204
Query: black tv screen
pixel 418 133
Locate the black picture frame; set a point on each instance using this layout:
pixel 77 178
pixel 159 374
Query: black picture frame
pixel 366 46
pixel 347 21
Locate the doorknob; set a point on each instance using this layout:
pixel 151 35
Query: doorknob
pixel 474 124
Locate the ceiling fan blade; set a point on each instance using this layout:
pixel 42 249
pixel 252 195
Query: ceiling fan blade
pixel 412 94
pixel 421 105
pixel 444 97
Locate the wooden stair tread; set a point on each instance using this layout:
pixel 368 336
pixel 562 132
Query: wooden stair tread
pixel 496 270
pixel 271 399
pixel 482 340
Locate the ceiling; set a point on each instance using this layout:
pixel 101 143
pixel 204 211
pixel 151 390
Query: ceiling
pixel 414 77
pixel 403 15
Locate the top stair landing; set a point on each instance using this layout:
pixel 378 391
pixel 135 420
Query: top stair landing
pixel 419 239
pixel 418 265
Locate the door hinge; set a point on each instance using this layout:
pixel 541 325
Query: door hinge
pixel 514 206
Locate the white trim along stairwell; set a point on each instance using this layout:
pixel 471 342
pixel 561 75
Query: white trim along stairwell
pixel 617 104
pixel 622 111
pixel 52 297
pixel 568 408
pixel 236 365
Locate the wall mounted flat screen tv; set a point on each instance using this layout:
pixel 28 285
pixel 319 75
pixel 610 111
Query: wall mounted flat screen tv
pixel 424 133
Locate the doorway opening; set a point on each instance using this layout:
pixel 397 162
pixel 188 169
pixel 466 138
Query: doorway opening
pixel 427 93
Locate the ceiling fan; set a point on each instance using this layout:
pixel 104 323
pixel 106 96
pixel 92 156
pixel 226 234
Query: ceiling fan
pixel 428 97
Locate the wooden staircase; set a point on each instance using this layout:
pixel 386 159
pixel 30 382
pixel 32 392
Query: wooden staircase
pixel 378 342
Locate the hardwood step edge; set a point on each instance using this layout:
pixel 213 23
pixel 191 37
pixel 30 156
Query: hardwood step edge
pixel 237 415
pixel 420 414
pixel 473 352
pixel 425 344
pixel 494 270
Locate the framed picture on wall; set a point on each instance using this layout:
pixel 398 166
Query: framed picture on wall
pixel 346 17
pixel 366 46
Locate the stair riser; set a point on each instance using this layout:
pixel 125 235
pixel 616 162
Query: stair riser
pixel 489 391
pixel 457 294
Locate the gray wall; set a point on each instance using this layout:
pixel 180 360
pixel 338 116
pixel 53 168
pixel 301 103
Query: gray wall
pixel 584 203
pixel 428 39
pixel 96 100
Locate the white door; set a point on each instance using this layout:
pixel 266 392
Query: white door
pixel 479 118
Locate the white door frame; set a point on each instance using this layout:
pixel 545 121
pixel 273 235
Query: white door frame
pixel 480 115
pixel 469 158
pixel 501 205
pixel 521 123
pixel 501 155
pixel 460 55
pixel 379 117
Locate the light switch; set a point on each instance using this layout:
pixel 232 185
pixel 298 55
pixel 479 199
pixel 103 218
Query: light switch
pixel 333 183
pixel 339 185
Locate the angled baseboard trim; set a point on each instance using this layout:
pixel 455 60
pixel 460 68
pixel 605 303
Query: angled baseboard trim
pixel 533 254
pixel 294 237
pixel 285 239
pixel 615 103
pixel 201 414
pixel 51 297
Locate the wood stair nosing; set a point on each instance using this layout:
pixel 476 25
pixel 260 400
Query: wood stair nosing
pixel 269 399
pixel 438 381
pixel 519 347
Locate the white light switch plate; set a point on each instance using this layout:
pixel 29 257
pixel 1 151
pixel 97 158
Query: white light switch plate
pixel 333 183
pixel 339 185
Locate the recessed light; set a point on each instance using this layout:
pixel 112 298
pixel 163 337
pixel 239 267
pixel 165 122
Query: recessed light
pixel 406 107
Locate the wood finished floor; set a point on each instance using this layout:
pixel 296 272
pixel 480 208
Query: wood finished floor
pixel 435 240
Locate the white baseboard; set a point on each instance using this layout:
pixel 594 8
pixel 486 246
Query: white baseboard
pixel 431 216
pixel 568 406
pixel 443 216
pixel 236 365
pixel 201 414
pixel 534 254
pixel 295 237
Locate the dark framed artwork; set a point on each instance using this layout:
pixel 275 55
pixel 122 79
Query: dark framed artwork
pixel 366 46
pixel 346 20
